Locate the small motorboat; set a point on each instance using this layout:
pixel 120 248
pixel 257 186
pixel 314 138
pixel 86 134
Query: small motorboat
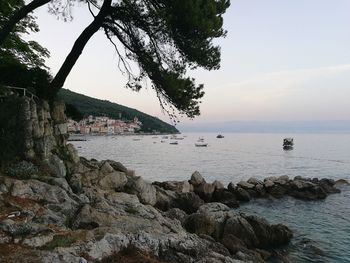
pixel 201 144
pixel 174 143
pixel 288 143
pixel 136 139
pixel 220 136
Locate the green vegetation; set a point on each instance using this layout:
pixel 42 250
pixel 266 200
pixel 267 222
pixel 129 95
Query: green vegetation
pixel 59 241
pixel 90 106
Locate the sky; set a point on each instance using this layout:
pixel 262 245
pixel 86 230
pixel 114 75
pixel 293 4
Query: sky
pixel 282 60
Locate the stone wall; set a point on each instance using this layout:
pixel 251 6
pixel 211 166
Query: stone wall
pixel 38 130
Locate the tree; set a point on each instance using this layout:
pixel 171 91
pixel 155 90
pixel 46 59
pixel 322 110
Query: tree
pixel 165 38
pixel 22 63
pixel 18 12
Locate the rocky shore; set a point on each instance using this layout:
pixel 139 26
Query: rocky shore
pixel 97 210
pixel 58 207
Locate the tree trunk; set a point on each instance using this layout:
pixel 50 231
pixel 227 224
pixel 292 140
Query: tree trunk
pixel 18 16
pixel 78 47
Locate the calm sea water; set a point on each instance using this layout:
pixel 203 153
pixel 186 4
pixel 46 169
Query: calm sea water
pixel 322 228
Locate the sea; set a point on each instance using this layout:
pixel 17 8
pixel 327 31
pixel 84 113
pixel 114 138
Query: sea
pixel 321 228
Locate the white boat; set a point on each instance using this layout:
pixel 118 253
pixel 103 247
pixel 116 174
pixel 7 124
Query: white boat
pixel 174 143
pixel 201 144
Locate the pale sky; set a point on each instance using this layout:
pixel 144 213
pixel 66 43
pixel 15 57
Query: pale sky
pixel 281 60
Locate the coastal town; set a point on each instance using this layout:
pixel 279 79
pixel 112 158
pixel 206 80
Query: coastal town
pixel 101 125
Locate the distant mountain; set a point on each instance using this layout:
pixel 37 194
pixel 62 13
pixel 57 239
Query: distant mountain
pixel 79 105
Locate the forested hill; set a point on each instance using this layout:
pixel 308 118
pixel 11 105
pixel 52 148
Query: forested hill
pixel 91 106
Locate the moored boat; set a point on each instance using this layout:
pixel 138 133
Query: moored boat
pixel 220 136
pixel 288 143
pixel 201 144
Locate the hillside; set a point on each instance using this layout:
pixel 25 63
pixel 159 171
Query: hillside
pixel 91 106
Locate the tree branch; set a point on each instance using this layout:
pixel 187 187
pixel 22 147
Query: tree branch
pixel 18 16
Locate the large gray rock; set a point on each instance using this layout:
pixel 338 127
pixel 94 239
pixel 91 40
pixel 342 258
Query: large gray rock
pixel 113 181
pixel 245 185
pixel 57 166
pixel 254 181
pixel 196 179
pixel 145 191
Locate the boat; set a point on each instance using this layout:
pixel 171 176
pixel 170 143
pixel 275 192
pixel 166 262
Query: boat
pixel 174 143
pixel 136 139
pixel 220 136
pixel 288 143
pixel 201 144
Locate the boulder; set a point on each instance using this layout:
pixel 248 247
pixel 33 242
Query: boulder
pixel 254 181
pixel 245 185
pixel 269 235
pixel 73 153
pixel 242 194
pixel 208 220
pixel 218 185
pixel 226 197
pixel 239 227
pixel 327 185
pixel 146 192
pixel 118 166
pixel 196 179
pixel 341 182
pixel 106 168
pixel 205 191
pixel 277 190
pixel 188 202
pixel 301 184
pixel 268 183
pixel 57 166
pixel 113 181
pixel 282 180
pixel 176 186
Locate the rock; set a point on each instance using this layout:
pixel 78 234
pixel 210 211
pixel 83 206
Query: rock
pixel 239 227
pixel 176 213
pixel 254 181
pixel 57 166
pixel 188 202
pixel 231 187
pixel 73 153
pixel 301 184
pixel 282 180
pixel 218 185
pixel 268 183
pixel 196 179
pixel 208 220
pixel 106 168
pixel 269 235
pixel 117 166
pixel 165 199
pixel 57 112
pixel 144 191
pixel 270 178
pixel 205 191
pixel 61 129
pixel 113 181
pixel 242 194
pixel 226 197
pixel 245 185
pixel 277 191
pixel 176 186
pixel 327 185
pixel 260 190
pixel 341 182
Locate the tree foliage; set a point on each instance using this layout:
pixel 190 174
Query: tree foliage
pixel 164 38
pixel 22 62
